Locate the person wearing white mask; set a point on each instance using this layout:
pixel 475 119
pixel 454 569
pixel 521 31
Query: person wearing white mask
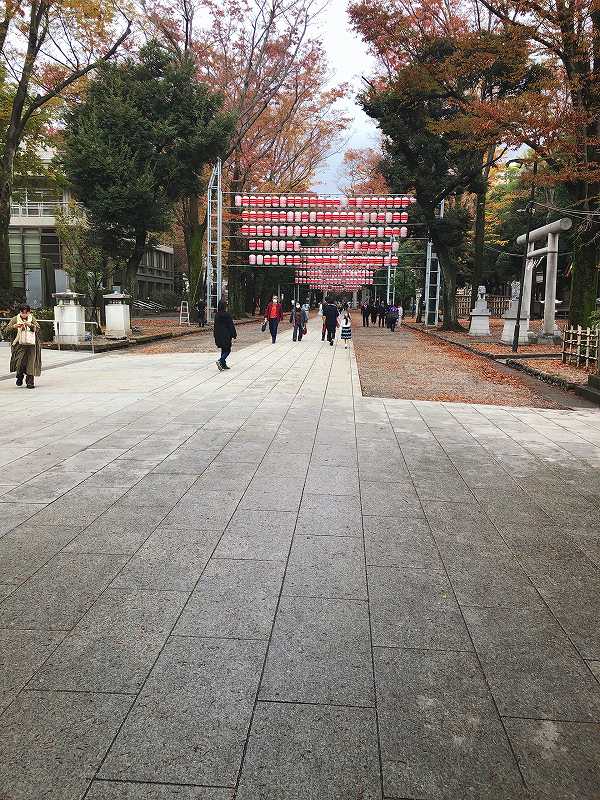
pixel 273 316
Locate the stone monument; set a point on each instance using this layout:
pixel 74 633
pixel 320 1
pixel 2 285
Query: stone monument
pixel 510 318
pixel 480 316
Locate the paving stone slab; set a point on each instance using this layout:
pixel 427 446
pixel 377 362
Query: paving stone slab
pixel 277 493
pixel 190 722
pixel 26 548
pixel 390 499
pixel 159 490
pixel 489 580
pixel 255 535
pixel 320 652
pixel 186 461
pixel 559 760
pixel 119 473
pixel 21 654
pixel 228 477
pixel 208 510
pixel 112 790
pixel 51 743
pixel 13 514
pixel 326 566
pixel 235 599
pixel 115 644
pixel 57 596
pixel 328 515
pixel 400 543
pixel 436 717
pixel 531 666
pixel 330 752
pixel 44 488
pixel 79 507
pixel 120 530
pixel 415 608
pixel 342 480
pixel 169 559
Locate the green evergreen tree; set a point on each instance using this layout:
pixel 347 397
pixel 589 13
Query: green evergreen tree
pixel 137 144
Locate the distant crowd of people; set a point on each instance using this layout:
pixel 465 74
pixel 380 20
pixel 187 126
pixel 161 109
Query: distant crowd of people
pixel 333 315
pixel 384 314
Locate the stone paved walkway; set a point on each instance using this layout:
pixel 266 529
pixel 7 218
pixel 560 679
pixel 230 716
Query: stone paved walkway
pixel 259 584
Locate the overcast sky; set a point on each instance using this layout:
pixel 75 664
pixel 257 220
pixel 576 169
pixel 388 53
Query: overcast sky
pixel 348 59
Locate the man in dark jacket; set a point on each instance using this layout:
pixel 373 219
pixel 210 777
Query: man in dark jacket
pixel 224 332
pixel 201 309
pixel 330 316
pixel 373 312
pixel 365 313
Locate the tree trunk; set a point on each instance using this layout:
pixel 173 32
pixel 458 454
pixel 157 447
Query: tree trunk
pixel 193 233
pixel 448 269
pixel 5 198
pixel 584 278
pixel 134 261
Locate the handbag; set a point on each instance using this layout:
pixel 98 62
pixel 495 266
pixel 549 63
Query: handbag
pixel 304 331
pixel 26 337
pixel 263 327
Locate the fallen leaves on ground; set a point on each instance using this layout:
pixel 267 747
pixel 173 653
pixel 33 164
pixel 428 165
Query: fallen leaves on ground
pixel 413 365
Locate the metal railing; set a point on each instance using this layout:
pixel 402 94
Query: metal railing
pixel 37 208
pixel 57 325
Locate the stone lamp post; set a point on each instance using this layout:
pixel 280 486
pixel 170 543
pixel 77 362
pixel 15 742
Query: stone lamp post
pixel 118 317
pixel 69 318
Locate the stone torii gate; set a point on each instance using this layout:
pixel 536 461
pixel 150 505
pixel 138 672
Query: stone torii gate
pixel 551 233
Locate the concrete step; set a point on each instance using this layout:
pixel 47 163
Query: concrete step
pixel 592 390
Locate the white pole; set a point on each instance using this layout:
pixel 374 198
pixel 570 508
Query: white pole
pixel 550 294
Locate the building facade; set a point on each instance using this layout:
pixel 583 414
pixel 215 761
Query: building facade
pixel 36 258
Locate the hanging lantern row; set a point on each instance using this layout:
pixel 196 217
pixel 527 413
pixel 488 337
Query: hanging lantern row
pixel 319 231
pixel 388 217
pixel 318 201
pixel 348 285
pixel 259 260
pixel 288 245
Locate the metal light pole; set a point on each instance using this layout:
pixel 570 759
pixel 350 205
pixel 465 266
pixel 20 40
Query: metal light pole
pixel 530 208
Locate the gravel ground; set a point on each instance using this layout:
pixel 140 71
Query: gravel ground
pixel 248 333
pixel 412 365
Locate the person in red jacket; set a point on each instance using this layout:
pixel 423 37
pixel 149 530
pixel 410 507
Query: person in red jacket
pixel 273 316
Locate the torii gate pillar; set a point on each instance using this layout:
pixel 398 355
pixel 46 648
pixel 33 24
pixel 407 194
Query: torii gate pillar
pixel 551 232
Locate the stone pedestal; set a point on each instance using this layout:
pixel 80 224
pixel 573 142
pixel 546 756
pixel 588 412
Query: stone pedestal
pixel 480 316
pixel 118 317
pixel 69 318
pixel 510 320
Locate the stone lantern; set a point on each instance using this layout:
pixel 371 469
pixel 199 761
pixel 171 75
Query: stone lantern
pixel 69 318
pixel 118 317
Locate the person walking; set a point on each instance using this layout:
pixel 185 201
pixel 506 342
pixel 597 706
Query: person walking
pixel 400 315
pixel 373 312
pixel 298 318
pixel 224 331
pixel 330 317
pixel 381 312
pixel 201 309
pixel 364 307
pixel 346 329
pixel 273 316
pixel 26 348
pixel 392 317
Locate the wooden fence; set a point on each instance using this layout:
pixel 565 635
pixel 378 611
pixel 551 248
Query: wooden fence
pixel 580 346
pixel 497 305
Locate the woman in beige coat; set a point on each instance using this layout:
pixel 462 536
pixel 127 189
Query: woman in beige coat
pixel 26 349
